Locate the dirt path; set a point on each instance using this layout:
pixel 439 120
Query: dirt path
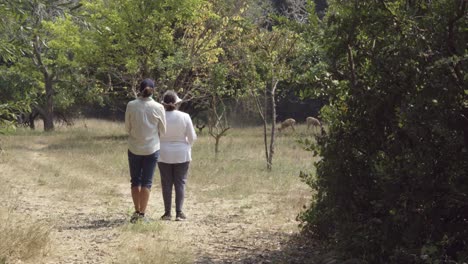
pixel 86 228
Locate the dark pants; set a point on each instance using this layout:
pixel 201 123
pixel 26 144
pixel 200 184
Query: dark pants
pixel 173 175
pixel 142 169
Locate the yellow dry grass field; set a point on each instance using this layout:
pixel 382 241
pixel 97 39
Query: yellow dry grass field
pixel 65 198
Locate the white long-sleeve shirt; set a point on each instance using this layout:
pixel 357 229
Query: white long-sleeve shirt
pixel 145 121
pixel 176 143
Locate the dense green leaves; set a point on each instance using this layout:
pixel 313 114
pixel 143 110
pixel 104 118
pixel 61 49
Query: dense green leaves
pixel 48 44
pixel 80 52
pixel 392 182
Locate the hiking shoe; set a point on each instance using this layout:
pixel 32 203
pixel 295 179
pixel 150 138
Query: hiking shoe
pixel 180 216
pixel 135 217
pixel 166 216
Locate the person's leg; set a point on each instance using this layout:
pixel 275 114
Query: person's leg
pixel 144 197
pixel 149 165
pixel 136 198
pixel 180 178
pixel 135 165
pixel 167 181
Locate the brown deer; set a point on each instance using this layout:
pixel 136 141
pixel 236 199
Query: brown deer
pixel 200 127
pixel 290 122
pixel 313 122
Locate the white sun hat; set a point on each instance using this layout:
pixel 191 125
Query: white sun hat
pixel 173 93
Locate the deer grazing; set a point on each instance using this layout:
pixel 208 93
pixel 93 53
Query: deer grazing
pixel 200 127
pixel 290 122
pixel 314 123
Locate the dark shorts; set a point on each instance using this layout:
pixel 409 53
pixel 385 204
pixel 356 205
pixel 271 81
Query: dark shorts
pixel 142 169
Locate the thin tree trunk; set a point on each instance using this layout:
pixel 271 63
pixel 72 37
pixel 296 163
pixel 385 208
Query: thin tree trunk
pixel 273 123
pixel 265 130
pixel 217 145
pixel 262 113
pixel 49 108
pixel 265 141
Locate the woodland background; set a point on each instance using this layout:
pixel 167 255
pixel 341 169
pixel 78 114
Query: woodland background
pixel 388 78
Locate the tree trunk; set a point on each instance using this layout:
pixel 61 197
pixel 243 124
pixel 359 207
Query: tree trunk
pixel 273 123
pixel 265 141
pixel 217 145
pixel 32 125
pixel 263 111
pixel 47 112
pixel 265 130
pixel 32 117
pixel 48 115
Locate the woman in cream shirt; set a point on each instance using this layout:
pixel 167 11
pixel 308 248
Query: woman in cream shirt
pixel 145 121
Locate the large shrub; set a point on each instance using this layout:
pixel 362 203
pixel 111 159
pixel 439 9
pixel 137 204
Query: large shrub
pixel 392 184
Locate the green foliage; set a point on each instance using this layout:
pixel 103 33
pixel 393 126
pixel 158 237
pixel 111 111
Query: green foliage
pixel 46 68
pixel 392 182
pixel 8 115
pixel 137 39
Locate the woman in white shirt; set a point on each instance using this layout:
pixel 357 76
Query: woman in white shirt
pixel 175 155
pixel 144 121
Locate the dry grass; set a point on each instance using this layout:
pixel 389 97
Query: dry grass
pixel 90 160
pixel 153 243
pixel 240 169
pixel 21 238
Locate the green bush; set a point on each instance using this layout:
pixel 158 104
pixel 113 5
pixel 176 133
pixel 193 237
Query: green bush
pixel 392 183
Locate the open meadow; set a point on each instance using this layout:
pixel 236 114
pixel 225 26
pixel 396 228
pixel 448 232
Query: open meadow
pixel 65 198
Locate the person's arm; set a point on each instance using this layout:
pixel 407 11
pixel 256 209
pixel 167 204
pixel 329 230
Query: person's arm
pixel 190 131
pixel 162 121
pixel 127 120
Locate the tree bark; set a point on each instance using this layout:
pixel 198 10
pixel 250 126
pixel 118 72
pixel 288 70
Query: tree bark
pixel 47 112
pixel 274 84
pixel 265 128
pixel 48 115
pixel 262 112
pixel 32 117
pixel 217 145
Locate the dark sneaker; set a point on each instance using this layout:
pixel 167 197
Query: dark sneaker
pixel 166 217
pixel 135 217
pixel 180 217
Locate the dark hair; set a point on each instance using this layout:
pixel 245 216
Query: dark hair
pixel 147 88
pixel 169 100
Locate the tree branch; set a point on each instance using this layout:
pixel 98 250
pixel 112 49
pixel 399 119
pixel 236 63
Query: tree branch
pixel 351 65
pixel 38 59
pixel 451 42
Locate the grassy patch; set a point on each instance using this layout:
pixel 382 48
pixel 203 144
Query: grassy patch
pixel 154 242
pixel 22 239
pixel 154 227
pixel 86 167
pixel 240 169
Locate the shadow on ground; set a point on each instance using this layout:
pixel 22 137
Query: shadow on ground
pixel 294 249
pixel 94 224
